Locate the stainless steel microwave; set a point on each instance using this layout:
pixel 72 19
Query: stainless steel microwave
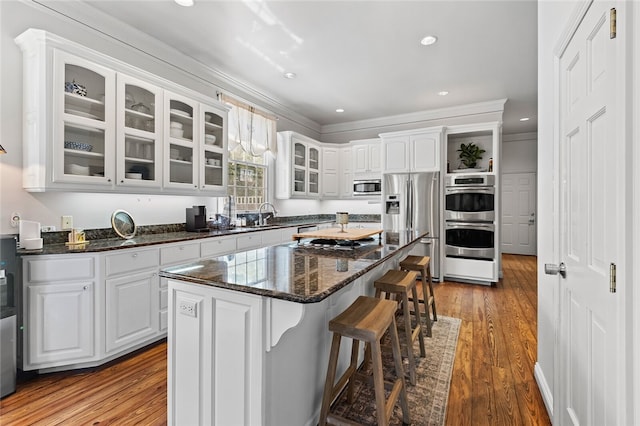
pixel 367 187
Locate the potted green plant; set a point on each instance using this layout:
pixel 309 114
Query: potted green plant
pixel 470 154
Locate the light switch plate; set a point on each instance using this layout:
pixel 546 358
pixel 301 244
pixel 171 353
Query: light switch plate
pixel 67 222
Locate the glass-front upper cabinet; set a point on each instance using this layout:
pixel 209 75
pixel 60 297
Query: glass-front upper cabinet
pixel 181 140
pixel 299 168
pixel 139 130
pixel 314 171
pixel 84 144
pixel 213 153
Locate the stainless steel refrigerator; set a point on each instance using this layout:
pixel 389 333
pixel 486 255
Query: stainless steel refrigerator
pixel 411 201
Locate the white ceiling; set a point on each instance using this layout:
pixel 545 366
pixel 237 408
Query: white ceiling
pixel 363 56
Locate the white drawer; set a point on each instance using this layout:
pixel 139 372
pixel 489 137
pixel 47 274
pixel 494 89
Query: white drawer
pixel 179 253
pixel 218 246
pixel 130 260
pixel 249 241
pixel 271 237
pixel 65 268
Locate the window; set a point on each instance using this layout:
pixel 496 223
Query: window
pixel 252 135
pixel 247 179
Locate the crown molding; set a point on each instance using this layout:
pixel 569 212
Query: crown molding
pixel 416 117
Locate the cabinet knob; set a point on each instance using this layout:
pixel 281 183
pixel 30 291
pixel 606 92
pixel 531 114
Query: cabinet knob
pixel 134 255
pixel 181 248
pixel 109 180
pixel 84 288
pixel 122 181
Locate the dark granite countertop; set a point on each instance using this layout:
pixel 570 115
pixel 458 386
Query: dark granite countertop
pixel 300 273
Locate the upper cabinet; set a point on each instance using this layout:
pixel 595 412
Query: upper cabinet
pixel 367 158
pixel 298 165
pixel 92 123
pixel 412 151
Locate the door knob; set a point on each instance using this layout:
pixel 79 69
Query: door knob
pixel 552 269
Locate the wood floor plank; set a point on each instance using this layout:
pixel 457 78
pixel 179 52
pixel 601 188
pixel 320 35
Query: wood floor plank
pixel 492 381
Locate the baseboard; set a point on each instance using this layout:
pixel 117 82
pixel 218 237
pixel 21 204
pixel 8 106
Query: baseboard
pixel 545 390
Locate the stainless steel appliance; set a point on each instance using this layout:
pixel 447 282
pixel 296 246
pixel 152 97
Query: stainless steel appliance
pixel 8 313
pixel 367 187
pixel 412 201
pixel 472 240
pixel 470 198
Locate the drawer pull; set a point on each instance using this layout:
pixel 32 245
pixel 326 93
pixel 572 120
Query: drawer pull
pixel 134 255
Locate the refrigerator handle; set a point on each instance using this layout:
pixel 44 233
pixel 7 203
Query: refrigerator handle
pixel 411 201
pixel 407 200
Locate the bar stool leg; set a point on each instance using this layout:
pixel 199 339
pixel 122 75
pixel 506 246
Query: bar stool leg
pixel 416 307
pixel 378 383
pixel 397 358
pixel 331 376
pixel 409 332
pixel 433 304
pixel 355 345
pixel 425 296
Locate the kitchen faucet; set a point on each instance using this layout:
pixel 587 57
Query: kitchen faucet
pixel 262 221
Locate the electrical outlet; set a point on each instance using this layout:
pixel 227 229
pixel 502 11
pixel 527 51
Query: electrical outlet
pixel 67 222
pixel 48 228
pixel 188 307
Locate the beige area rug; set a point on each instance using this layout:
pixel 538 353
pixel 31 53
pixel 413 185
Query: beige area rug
pixel 428 398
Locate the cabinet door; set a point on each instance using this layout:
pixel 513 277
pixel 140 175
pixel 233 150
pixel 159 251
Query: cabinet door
pixel 181 142
pixel 330 185
pixel 396 155
pixel 346 173
pixel 425 152
pixel 360 159
pixel 375 158
pixel 60 323
pixel 83 147
pixel 132 307
pixel 139 130
pixel 213 151
pixel 299 165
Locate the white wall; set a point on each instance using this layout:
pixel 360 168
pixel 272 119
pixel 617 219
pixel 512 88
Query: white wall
pixel 552 18
pixel 520 153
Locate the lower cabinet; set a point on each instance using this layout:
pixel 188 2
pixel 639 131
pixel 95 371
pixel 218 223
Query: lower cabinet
pixel 59 324
pixel 131 308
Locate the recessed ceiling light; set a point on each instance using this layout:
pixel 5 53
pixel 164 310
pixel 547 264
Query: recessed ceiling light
pixel 524 119
pixel 443 93
pixel 428 40
pixel 339 110
pixel 289 75
pixel 186 3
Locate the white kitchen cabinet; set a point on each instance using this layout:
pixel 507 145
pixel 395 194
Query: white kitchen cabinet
pixel 215 367
pixel 132 306
pixel 249 241
pixel 171 254
pixel 59 303
pixel 412 151
pixel 346 172
pixel 298 164
pixel 131 298
pixel 219 246
pixel 93 123
pixel 139 133
pixel 367 157
pixel 330 172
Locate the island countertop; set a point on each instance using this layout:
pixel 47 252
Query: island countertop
pixel 296 272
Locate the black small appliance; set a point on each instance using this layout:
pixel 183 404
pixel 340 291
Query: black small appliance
pixel 196 219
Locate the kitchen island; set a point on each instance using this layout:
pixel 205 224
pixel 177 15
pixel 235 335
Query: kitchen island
pixel 248 338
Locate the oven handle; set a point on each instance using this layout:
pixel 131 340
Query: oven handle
pixel 470 225
pixel 470 190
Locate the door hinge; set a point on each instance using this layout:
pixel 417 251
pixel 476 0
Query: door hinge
pixel 612 23
pixel 612 278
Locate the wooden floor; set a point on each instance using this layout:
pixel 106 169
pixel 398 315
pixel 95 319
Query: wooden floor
pixel 492 381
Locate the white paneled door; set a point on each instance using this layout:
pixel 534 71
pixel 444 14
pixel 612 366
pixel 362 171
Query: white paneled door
pixel 590 352
pixel 518 234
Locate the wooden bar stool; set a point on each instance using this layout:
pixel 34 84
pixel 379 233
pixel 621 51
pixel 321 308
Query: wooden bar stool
pixel 422 264
pixel 400 283
pixel 367 320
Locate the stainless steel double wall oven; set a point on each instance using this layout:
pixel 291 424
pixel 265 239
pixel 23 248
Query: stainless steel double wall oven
pixel 469 216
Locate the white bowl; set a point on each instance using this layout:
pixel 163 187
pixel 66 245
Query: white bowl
pixel 209 139
pixel 176 133
pixel 176 125
pixel 76 169
pixel 133 175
